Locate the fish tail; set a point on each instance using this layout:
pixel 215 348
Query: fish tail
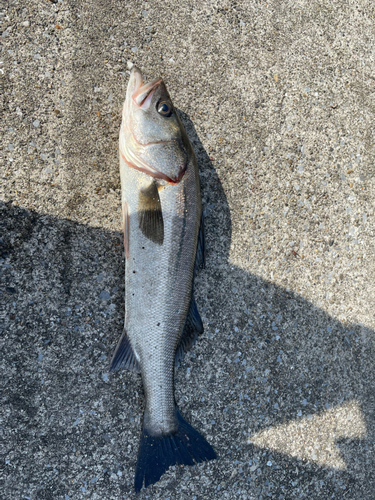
pixel 157 453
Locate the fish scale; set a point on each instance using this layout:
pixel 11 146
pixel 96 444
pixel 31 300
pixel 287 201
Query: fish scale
pixel 163 225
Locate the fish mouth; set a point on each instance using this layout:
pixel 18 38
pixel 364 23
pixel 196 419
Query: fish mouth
pixel 143 93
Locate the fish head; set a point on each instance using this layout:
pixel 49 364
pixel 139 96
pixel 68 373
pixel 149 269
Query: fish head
pixel 152 137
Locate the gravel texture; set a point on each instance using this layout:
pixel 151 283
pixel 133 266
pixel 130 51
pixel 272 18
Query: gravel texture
pixel 278 101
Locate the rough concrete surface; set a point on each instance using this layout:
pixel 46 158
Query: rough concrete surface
pixel 278 100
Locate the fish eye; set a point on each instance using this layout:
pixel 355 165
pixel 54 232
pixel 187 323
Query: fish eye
pixel 164 108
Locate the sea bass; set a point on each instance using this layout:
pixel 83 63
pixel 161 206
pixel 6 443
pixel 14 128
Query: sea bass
pixel 164 246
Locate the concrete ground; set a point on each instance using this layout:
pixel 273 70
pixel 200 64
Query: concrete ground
pixel 278 100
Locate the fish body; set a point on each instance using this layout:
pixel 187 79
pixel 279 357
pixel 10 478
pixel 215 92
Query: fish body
pixel 164 244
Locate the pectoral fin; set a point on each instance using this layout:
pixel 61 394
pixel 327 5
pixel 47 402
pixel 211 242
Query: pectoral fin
pixel 150 216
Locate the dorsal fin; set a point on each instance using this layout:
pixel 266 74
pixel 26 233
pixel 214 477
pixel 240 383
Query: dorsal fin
pixel 192 328
pixel 200 258
pixel 193 323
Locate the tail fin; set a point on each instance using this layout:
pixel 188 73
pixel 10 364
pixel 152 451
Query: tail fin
pixel 157 454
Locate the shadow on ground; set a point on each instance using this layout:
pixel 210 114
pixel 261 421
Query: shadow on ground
pixel 267 357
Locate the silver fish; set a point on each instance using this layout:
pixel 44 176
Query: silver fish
pixel 164 246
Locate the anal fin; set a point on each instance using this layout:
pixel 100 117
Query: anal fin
pixel 125 216
pixel 124 356
pixel 192 328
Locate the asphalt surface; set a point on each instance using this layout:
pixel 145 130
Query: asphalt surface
pixel 278 101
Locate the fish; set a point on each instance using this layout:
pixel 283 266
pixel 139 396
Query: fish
pixel 164 248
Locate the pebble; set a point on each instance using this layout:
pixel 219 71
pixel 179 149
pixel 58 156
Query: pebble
pixel 129 64
pixel 36 123
pixel 104 295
